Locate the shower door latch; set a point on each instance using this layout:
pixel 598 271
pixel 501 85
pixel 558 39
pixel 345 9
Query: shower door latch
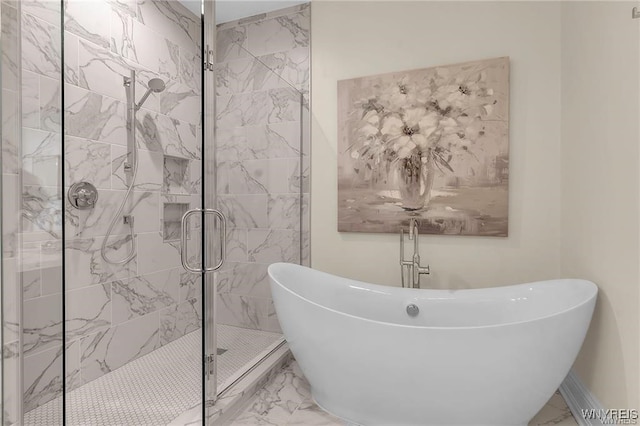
pixel 208 59
pixel 184 256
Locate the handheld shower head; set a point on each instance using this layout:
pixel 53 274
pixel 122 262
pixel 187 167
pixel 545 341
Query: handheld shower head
pixel 155 85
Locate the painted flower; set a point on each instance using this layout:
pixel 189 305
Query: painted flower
pixel 403 94
pixel 409 130
pixel 458 92
pixel 370 127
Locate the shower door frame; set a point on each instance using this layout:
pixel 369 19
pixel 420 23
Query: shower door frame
pixel 209 242
pixel 209 200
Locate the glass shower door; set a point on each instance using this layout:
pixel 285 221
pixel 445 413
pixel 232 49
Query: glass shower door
pixel 101 324
pixel 32 261
pixel 135 121
pixel 261 144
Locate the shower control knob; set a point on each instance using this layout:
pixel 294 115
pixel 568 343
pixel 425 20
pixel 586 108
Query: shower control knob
pixel 83 195
pixel 412 310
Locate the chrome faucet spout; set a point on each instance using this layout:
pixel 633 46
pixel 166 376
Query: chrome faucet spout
pixel 414 227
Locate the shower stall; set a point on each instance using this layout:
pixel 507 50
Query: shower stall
pixel 154 163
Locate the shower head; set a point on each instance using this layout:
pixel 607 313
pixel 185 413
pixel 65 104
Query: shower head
pixel 155 85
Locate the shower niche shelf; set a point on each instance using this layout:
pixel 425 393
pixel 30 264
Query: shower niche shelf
pixel 171 221
pixel 176 175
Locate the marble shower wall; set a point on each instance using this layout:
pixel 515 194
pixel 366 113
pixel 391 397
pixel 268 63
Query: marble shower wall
pixel 262 157
pixel 117 313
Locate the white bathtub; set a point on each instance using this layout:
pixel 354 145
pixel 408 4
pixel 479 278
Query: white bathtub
pixel 470 357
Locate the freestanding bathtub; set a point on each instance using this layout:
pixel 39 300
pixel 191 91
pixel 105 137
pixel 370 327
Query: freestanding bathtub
pixel 469 357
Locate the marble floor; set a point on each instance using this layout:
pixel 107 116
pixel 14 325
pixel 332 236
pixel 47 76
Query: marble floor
pixel 286 400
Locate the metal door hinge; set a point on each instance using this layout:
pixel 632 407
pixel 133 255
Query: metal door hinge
pixel 208 59
pixel 209 364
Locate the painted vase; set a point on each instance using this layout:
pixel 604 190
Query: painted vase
pixel 415 179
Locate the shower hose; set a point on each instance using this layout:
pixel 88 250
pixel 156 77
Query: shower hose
pixel 132 252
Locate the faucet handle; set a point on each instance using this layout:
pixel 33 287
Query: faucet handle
pixel 417 272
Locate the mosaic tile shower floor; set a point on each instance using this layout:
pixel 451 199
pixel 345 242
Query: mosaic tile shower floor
pixel 155 388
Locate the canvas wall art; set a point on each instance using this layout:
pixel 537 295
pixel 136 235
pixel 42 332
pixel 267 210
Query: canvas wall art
pixel 430 144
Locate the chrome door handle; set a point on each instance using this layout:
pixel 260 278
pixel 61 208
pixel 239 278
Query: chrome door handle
pixel 184 257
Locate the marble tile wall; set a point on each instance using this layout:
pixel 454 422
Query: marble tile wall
pixel 114 314
pixel 262 157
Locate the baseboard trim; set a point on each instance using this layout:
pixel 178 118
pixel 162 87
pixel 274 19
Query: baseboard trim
pixel 579 398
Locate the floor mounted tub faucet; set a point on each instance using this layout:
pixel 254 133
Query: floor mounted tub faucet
pixel 413 265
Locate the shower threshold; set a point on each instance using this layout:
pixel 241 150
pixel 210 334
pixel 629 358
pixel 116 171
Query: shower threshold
pixel 156 388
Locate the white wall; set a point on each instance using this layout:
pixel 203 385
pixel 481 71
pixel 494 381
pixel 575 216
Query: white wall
pixel 600 197
pixel 351 39
pixel 574 188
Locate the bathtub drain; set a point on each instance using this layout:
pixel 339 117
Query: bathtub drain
pixel 412 310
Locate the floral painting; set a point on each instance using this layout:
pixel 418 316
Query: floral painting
pixel 430 144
